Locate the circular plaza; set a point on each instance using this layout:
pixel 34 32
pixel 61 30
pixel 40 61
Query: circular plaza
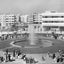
pixel 42 45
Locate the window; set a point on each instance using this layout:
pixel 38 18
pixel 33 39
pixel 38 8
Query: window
pixel 35 22
pixel 45 16
pixel 52 16
pixel 62 16
pixel 53 21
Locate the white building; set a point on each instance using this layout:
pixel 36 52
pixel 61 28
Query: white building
pixel 34 23
pixel 2 20
pixel 23 18
pixel 47 23
pixel 7 20
pixel 33 18
pixel 10 19
pixel 52 22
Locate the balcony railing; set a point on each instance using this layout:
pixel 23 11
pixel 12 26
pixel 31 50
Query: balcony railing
pixel 52 19
pixel 53 24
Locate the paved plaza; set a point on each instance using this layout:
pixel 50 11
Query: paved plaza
pixel 36 51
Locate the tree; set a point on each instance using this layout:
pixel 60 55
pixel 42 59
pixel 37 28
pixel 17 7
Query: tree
pixel 14 27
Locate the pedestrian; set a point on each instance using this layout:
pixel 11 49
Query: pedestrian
pixel 9 57
pixel 53 56
pixel 58 60
pixel 61 59
pixel 14 53
pixel 43 58
pixel 2 59
pixel 6 51
pixel 19 53
pixel 6 57
pixel 24 56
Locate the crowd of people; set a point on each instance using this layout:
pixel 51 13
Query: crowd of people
pixel 55 36
pixel 11 36
pixel 16 54
pixel 59 57
pixel 10 57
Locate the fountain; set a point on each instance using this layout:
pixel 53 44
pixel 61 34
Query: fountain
pixel 45 43
pixel 31 35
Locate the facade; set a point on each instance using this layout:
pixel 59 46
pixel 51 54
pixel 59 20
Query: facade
pixel 7 20
pixel 10 20
pixel 2 21
pixel 28 22
pixel 35 23
pixel 23 18
pixel 22 22
pixel 32 18
pixel 52 22
pixel 46 22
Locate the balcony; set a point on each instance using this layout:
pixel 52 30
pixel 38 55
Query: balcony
pixel 53 24
pixel 52 19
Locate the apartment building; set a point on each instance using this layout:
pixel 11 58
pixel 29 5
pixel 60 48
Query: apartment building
pixel 7 20
pixel 52 22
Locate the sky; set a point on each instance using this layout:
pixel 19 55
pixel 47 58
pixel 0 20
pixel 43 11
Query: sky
pixel 30 6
